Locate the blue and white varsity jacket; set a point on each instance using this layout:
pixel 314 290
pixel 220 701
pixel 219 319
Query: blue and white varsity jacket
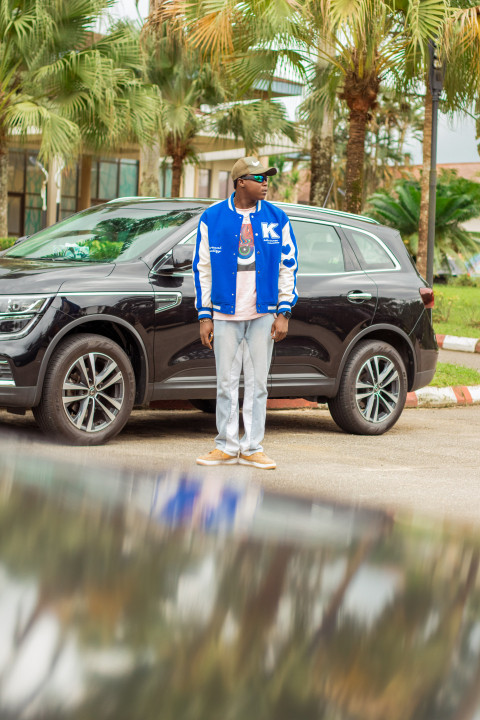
pixel 216 255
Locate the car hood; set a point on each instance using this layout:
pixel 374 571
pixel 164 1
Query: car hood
pixel 21 276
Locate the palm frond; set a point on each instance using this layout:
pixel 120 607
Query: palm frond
pixel 60 136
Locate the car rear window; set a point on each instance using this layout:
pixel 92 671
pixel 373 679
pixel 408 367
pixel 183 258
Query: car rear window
pixel 103 234
pixel 370 253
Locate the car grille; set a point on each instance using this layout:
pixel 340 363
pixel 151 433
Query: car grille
pixel 6 377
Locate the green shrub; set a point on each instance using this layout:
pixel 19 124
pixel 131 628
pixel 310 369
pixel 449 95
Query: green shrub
pixel 443 306
pixel 463 281
pixel 6 242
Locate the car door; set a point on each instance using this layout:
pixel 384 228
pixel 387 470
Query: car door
pixel 336 301
pixel 184 368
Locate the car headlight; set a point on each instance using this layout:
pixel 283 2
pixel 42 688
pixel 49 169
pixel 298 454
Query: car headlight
pixel 19 313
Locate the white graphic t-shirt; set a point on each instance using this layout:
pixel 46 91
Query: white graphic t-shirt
pixel 246 299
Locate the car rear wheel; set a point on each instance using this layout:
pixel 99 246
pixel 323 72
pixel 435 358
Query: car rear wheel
pixel 373 390
pixel 88 391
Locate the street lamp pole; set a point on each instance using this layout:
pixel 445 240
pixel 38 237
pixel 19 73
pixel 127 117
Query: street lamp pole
pixel 436 75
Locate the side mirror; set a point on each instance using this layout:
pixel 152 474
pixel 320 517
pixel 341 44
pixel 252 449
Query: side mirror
pixel 180 259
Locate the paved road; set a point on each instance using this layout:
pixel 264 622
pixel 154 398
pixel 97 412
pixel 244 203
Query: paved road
pixel 471 360
pixel 429 463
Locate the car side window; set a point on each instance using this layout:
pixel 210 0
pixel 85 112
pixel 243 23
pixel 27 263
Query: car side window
pixel 370 253
pixel 319 248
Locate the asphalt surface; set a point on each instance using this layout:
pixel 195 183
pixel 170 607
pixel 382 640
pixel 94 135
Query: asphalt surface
pixel 428 464
pixel 468 359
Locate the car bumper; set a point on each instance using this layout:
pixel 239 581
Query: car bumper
pixel 423 378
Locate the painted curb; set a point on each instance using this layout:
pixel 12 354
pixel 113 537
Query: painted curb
pixel 444 397
pixel 464 344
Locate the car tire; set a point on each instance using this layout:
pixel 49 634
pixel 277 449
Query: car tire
pixel 206 406
pixel 98 377
pixel 373 390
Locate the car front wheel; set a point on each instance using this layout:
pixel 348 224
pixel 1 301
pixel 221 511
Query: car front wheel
pixel 88 391
pixel 373 390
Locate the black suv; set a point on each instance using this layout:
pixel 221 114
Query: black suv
pixel 97 316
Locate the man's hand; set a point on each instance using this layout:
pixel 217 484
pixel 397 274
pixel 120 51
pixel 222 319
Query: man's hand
pixel 206 333
pixel 279 328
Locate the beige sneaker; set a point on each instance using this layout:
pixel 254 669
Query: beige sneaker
pixel 259 460
pixel 217 457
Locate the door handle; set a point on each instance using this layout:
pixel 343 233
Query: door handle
pixel 357 296
pixel 166 300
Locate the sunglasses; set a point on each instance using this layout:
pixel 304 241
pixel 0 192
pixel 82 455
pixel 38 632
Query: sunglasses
pixel 255 178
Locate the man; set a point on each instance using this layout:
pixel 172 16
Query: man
pixel 244 268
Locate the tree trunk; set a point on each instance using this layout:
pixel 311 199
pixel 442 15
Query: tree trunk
pixel 3 188
pixel 321 162
pixel 85 199
pixel 355 156
pixel 425 187
pixel 149 170
pixel 177 171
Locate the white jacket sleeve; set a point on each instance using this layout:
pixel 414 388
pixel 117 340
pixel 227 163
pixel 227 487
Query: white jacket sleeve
pixel 202 272
pixel 287 277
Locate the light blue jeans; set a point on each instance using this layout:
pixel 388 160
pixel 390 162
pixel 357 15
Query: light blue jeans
pixel 240 343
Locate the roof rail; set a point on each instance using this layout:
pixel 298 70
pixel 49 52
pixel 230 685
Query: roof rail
pixel 329 211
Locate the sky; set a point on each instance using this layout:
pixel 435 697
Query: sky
pixel 456 141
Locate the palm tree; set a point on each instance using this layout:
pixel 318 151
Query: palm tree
pixel 363 42
pixel 458 200
pixel 35 33
pixel 458 40
pixel 184 84
pixel 208 86
pixel 116 107
pixel 366 43
pixel 80 90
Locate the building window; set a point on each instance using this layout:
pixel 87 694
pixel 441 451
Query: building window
pixel 110 178
pixel 165 180
pixel 24 185
pixel 113 178
pixel 128 182
pixel 225 184
pixel 204 176
pixel 69 194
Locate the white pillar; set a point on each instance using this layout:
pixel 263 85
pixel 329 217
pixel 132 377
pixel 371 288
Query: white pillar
pixel 214 191
pixel 188 181
pixel 52 190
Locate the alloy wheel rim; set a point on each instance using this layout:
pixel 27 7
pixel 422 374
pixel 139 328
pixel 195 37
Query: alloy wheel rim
pixel 377 389
pixel 93 392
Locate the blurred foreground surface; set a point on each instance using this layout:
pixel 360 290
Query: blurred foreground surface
pixel 427 464
pixel 126 595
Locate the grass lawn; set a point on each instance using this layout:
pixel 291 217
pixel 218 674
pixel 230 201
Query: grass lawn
pixel 448 374
pixel 457 311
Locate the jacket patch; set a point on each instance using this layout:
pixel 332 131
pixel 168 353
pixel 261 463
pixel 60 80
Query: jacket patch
pixel 288 262
pixel 286 249
pixel 268 231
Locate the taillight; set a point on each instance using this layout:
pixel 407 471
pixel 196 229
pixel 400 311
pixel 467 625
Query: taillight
pixel 427 297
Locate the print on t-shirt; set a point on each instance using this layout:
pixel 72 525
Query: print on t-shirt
pixel 246 248
pixel 246 295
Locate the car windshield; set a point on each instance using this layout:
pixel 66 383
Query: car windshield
pixel 103 234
